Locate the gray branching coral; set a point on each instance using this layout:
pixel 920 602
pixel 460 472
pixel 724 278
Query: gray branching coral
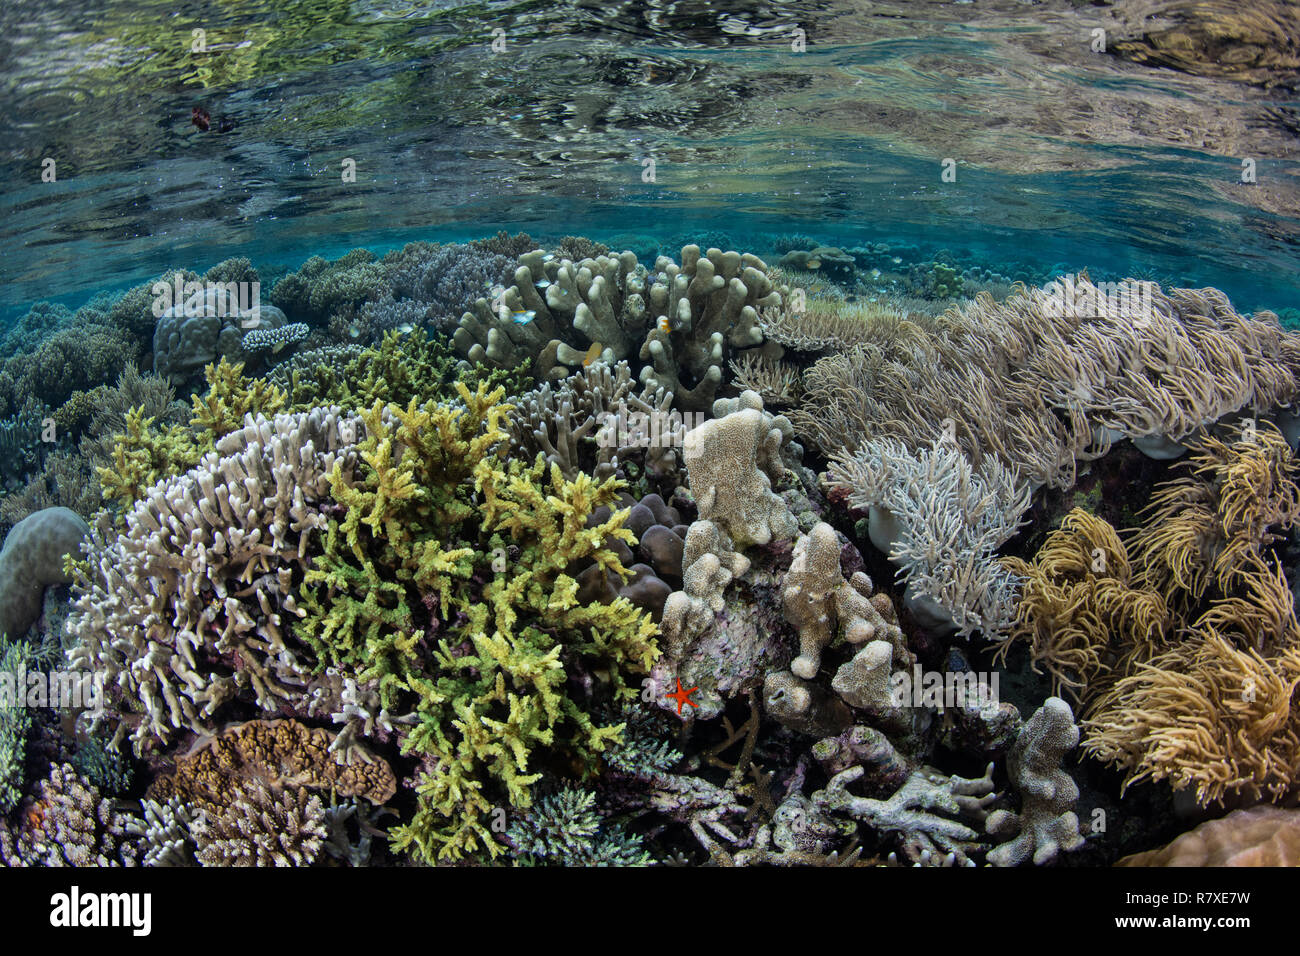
pixel 1046 824
pixel 193 600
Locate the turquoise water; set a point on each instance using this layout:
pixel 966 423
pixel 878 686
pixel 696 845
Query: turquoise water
pixel 1065 158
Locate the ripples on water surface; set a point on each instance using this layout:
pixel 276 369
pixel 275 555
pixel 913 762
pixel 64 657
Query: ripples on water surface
pixel 1128 162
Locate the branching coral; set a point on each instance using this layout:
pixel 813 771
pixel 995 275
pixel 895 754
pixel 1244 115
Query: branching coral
pixel 66 822
pixel 484 666
pixel 563 829
pixel 189 604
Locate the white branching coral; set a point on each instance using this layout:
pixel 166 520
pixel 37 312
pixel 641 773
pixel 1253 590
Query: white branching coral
pixel 190 603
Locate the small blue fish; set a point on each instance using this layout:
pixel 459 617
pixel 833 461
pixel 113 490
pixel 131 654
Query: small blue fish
pixel 544 284
pixel 523 318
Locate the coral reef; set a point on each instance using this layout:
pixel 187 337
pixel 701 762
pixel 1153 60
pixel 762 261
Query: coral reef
pixel 563 829
pixel 1051 377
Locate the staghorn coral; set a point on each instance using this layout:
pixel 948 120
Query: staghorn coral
pixel 142 455
pixel 163 833
pixel 65 822
pixel 402 368
pixel 564 829
pixel 594 421
pixel 260 827
pixel 1046 824
pixel 942 523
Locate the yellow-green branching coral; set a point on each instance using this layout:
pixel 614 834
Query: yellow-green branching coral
pixel 230 397
pixel 446 580
pixel 144 455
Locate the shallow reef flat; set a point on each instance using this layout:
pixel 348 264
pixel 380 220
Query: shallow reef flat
pixel 543 552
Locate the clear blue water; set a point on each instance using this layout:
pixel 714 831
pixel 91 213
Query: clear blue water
pixel 1066 158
